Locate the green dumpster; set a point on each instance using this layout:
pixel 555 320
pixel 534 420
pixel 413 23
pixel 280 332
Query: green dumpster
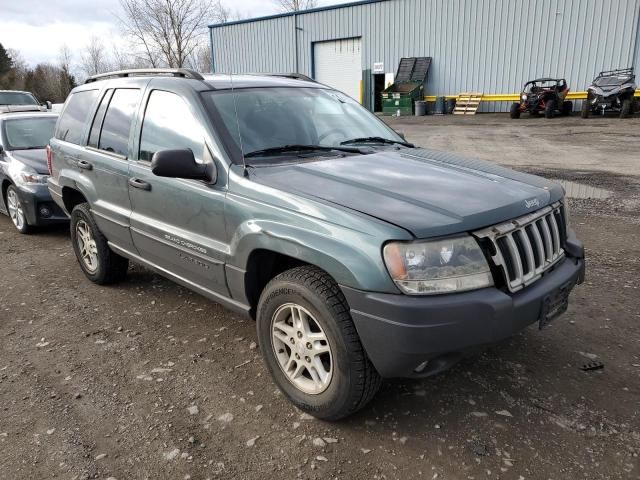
pixel 400 97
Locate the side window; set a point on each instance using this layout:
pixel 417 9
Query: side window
pixel 94 136
pixel 75 116
pixel 168 124
pixel 116 126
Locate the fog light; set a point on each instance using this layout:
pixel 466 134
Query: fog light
pixel 420 368
pixel 45 212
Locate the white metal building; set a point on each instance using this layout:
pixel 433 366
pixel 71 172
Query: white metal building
pixel 488 46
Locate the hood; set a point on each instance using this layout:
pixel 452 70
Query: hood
pixel 36 159
pixel 427 193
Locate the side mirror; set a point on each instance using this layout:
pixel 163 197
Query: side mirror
pixel 402 136
pixel 1 151
pixel 49 105
pixel 180 163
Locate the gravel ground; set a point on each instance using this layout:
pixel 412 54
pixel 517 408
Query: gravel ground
pixel 148 380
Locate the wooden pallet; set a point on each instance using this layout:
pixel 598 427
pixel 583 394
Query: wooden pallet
pixel 467 103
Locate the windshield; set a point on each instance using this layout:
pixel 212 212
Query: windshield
pixel 542 85
pixel 28 133
pixel 17 98
pixel 269 118
pixel 611 80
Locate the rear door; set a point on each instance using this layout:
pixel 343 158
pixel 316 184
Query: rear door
pixel 105 162
pixel 178 225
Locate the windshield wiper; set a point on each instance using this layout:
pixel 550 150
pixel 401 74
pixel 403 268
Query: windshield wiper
pixel 377 140
pixel 299 148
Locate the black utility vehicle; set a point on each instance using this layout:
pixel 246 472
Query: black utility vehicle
pixel 543 95
pixel 612 91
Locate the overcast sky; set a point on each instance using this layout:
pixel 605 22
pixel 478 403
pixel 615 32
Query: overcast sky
pixel 38 28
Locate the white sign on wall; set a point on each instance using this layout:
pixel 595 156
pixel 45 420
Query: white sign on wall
pixel 378 67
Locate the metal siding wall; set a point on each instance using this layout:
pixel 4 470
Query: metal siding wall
pixel 490 46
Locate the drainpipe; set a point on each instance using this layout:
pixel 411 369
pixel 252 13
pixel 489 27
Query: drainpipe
pixel 295 32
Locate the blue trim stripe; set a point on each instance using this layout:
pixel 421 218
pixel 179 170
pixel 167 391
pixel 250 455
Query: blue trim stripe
pixel 300 12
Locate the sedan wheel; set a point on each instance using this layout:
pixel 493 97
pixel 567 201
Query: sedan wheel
pixel 16 212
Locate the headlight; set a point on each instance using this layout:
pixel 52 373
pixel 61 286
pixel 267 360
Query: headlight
pixel 439 266
pixel 524 97
pixel 31 178
pixel 24 175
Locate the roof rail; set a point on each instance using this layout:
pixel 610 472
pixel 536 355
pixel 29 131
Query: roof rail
pixel 140 72
pixel 296 76
pixel 617 71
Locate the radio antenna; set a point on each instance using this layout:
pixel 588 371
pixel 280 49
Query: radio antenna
pixel 235 106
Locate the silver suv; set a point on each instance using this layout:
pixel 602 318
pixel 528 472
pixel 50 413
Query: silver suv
pixel 360 256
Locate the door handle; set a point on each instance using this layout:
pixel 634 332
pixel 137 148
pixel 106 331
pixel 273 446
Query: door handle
pixel 137 183
pixel 84 165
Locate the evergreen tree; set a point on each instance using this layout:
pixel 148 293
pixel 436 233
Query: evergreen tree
pixel 6 63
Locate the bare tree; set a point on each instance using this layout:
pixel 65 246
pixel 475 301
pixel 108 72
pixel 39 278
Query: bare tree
pixel 296 5
pixel 65 57
pixel 93 59
pixel 168 32
pixel 200 60
pixel 221 14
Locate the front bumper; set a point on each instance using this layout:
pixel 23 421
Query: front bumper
pixel 39 207
pixel 401 332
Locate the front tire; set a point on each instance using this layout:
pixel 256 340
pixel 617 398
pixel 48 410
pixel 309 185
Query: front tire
pixel 550 109
pixel 567 108
pixel 586 108
pixel 98 262
pixel 515 110
pixel 311 347
pixel 16 211
pixel 627 105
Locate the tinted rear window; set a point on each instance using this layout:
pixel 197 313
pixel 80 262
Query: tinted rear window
pixel 114 137
pixel 75 116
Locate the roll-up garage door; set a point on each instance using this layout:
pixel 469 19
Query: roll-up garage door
pixel 338 63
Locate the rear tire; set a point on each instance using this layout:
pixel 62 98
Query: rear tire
pixel 550 109
pixel 290 346
pixel 98 262
pixel 567 108
pixel 627 105
pixel 586 108
pixel 515 110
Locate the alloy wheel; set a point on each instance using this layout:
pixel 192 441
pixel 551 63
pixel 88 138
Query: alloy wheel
pixel 302 348
pixel 87 246
pixel 15 209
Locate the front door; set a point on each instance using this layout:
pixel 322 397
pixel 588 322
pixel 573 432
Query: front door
pixel 177 225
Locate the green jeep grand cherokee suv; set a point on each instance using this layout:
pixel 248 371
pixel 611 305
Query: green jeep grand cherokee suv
pixel 360 256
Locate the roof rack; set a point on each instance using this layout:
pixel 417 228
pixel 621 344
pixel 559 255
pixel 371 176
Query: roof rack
pixel 619 71
pixel 296 76
pixel 140 72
